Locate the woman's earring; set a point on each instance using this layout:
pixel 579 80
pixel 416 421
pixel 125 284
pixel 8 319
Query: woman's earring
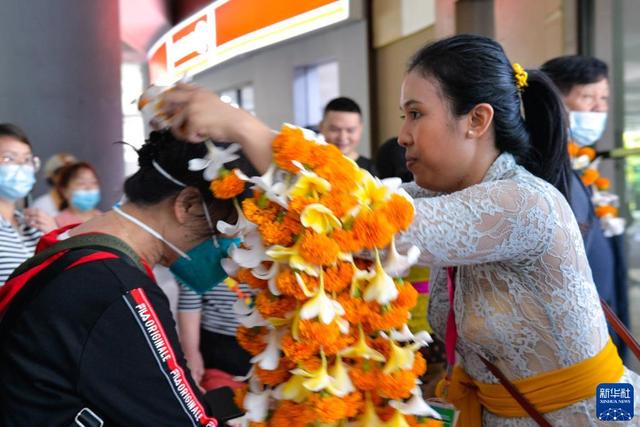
pixel 469 134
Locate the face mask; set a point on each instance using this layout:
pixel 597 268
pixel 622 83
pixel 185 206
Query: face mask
pixel 586 127
pixel 204 271
pixel 151 231
pixel 16 181
pixel 85 200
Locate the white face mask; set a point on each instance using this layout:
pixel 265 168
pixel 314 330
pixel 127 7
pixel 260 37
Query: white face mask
pixel 586 127
pixel 16 181
pixel 151 231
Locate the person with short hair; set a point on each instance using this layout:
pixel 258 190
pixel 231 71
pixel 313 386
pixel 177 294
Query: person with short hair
pixel 583 82
pixel 99 333
pixel 342 126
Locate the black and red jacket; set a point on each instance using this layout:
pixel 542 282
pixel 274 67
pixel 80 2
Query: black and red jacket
pixel 99 334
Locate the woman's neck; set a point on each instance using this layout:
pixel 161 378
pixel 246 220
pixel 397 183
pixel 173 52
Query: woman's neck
pixel 83 215
pixel 7 210
pixel 141 241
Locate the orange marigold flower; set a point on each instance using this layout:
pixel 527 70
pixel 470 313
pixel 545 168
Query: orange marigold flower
pixel 356 310
pixel 238 395
pixel 256 214
pixel 589 176
pixel 606 210
pixel 273 233
pixel 227 186
pixel 346 240
pixel 354 403
pixel 291 222
pixel 291 414
pixel 278 375
pixel 364 374
pixel 252 339
pixel 244 276
pixel 385 412
pixel 318 249
pixel 342 342
pixel 324 335
pixel 407 296
pixel 397 385
pixel 399 212
pixel 298 351
pixel 372 230
pixel 297 204
pixel 338 277
pixel 287 284
pixel 587 151
pixel 339 202
pixel 602 183
pixel 257 424
pixel 270 305
pixel 289 145
pixel 328 409
pixel 392 317
pixel 573 149
pixel 419 365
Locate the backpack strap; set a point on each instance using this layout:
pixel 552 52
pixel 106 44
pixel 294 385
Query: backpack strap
pixel 93 240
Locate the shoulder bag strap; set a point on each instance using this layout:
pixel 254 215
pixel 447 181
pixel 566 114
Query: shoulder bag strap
pixel 519 397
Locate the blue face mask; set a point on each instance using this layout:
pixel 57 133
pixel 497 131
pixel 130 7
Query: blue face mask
pixel 586 127
pixel 85 200
pixel 16 181
pixel 203 272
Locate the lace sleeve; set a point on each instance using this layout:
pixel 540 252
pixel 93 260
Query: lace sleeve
pixel 416 191
pixel 488 222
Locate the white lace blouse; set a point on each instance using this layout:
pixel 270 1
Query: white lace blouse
pixel 524 298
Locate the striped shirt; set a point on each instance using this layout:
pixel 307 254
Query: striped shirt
pixel 16 246
pixel 216 306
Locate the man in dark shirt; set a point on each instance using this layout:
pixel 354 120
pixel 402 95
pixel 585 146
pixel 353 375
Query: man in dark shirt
pixel 342 126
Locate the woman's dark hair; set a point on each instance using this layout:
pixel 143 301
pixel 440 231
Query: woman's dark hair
pixel 148 186
pixel 68 173
pixel 474 69
pixel 13 131
pixel 570 70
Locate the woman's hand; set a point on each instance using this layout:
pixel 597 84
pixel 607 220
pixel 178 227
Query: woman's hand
pixel 195 114
pixel 195 362
pixel 40 219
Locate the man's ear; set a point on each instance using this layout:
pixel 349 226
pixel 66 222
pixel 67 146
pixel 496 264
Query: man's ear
pixel 479 120
pixel 186 204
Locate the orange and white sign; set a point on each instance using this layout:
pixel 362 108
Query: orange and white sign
pixel 226 29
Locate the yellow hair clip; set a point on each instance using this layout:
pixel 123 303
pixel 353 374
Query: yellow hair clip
pixel 521 76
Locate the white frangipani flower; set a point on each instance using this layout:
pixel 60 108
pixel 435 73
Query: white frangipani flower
pixel 382 288
pixel 342 384
pixel 242 226
pixel 270 357
pixel 273 190
pixel 415 406
pixel 421 338
pixel 251 257
pixel 257 405
pixel 398 265
pixel 229 266
pixel 321 306
pixel 260 272
pixel 214 160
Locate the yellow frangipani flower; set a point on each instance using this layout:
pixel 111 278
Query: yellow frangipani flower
pixel 369 417
pixel 309 185
pixel 382 288
pixel 319 218
pixel 341 380
pixel 362 350
pixel 398 420
pixel 290 255
pixel 371 192
pixel 400 358
pixel 319 379
pixel 321 306
pixel 294 390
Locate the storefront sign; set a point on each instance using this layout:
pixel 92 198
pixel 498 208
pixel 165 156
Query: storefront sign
pixel 226 29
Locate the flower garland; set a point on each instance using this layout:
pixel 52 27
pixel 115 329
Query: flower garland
pixel 585 162
pixel 328 331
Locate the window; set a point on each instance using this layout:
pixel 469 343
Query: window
pixel 313 87
pixel 240 97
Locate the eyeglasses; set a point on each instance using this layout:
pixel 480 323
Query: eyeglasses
pixel 13 159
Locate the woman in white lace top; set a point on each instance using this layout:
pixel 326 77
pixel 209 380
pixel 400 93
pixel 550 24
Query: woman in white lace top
pixel 490 189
